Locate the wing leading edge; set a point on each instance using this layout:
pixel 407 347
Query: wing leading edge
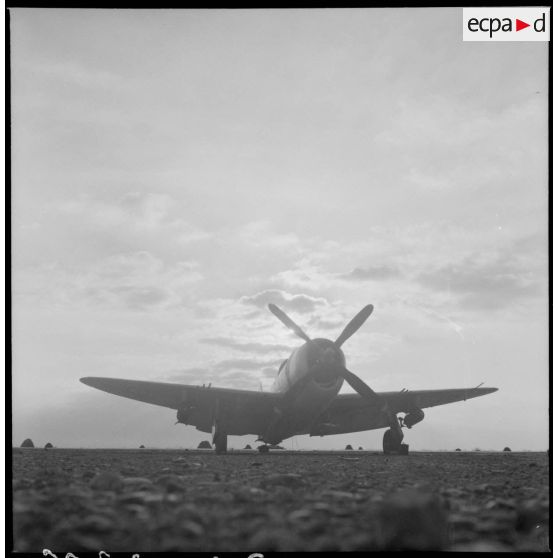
pixel 250 412
pixel 244 411
pixel 349 412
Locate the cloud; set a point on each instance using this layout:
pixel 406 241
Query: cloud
pixel 241 380
pixel 125 282
pixel 238 364
pixel 140 298
pixel 481 284
pixel 147 209
pixel 79 75
pixel 437 316
pixel 134 213
pixel 309 274
pixel 139 281
pixel 320 323
pixel 270 372
pixel 299 303
pixel 191 376
pixel 374 273
pixel 259 348
pixel 234 373
pixel 260 234
pixel 128 265
pixel 133 281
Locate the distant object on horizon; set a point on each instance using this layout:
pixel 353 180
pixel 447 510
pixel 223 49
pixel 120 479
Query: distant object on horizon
pixel 27 443
pixel 349 447
pixel 360 448
pixel 304 398
pixel 507 449
pixel 248 446
pixel 48 445
pixel 458 449
pixel 204 445
pixel 142 447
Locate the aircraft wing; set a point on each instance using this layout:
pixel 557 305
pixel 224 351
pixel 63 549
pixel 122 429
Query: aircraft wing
pixel 243 411
pixel 349 412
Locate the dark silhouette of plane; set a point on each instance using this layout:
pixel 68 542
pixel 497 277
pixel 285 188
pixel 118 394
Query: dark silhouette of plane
pixel 304 398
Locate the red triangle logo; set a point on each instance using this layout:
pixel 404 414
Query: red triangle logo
pixel 519 25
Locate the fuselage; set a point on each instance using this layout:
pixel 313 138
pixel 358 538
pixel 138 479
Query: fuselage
pixel 309 380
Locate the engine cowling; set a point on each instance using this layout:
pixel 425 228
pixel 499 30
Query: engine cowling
pixel 413 417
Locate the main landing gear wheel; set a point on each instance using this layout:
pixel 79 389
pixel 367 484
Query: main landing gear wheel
pixel 220 441
pixel 263 449
pixel 392 444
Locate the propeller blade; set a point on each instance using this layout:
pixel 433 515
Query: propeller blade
pixel 354 325
pixel 276 311
pixel 359 386
pixel 370 395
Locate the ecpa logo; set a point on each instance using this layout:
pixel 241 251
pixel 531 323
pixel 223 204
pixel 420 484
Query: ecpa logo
pixel 506 24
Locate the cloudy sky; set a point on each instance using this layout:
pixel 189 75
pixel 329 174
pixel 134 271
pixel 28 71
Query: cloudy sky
pixel 174 171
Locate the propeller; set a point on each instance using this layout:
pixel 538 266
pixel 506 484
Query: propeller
pixel 351 328
pixel 354 325
pixel 368 394
pixel 276 311
pixel 359 386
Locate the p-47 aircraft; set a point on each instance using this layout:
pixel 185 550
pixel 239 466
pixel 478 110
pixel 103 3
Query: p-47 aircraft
pixel 304 398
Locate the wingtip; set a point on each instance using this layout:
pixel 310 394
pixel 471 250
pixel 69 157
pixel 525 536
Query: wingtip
pixel 487 390
pixel 89 381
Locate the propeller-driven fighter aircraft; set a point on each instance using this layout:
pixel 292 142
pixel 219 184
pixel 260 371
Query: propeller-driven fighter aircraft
pixel 304 398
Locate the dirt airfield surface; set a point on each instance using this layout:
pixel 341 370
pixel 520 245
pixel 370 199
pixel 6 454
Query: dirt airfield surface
pixel 68 500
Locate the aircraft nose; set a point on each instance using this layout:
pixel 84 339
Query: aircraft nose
pixel 330 356
pixel 328 368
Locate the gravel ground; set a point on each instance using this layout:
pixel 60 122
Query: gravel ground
pixel 68 500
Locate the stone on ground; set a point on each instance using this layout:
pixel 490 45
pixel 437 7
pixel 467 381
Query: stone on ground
pixel 413 520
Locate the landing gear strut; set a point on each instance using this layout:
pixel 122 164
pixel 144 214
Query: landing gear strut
pixel 220 441
pixel 219 432
pixel 392 442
